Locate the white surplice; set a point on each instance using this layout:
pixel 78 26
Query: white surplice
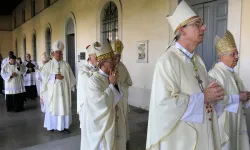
pixel 232 119
pixel 98 124
pixel 13 85
pixel 57 94
pixel 5 61
pixel 178 119
pixel 30 78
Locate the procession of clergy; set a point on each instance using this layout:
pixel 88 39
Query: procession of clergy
pixel 190 108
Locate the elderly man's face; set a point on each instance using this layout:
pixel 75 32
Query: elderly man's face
pixel 93 59
pixel 58 55
pixel 12 61
pixel 107 66
pixel 28 57
pixel 230 58
pixel 194 31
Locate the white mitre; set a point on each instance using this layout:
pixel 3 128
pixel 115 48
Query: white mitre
pixel 45 57
pixel 91 49
pixel 182 15
pixel 57 45
pixel 105 52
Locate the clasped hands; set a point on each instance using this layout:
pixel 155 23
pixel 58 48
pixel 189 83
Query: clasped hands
pixel 14 74
pixel 214 92
pixel 113 75
pixel 59 76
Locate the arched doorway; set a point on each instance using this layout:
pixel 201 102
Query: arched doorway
pixel 48 40
pixel 70 44
pixel 24 48
pixel 34 46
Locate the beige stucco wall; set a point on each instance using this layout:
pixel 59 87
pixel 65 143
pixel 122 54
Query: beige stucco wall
pixel 244 47
pixel 5 42
pixel 6 23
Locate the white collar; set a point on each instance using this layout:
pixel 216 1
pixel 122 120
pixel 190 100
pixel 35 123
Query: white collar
pixel 185 51
pixel 103 73
pixel 228 68
pixel 92 66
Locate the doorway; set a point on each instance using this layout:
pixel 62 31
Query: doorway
pixel 70 40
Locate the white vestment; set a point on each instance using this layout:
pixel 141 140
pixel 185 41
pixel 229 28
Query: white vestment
pixel 232 119
pixel 98 124
pixel 5 61
pixel 178 118
pixel 30 78
pixel 57 94
pixel 13 85
pixel 124 82
pixel 39 80
pixel 84 73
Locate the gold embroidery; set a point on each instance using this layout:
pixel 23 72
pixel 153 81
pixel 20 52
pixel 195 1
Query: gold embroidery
pixel 226 43
pixel 118 47
pixel 186 22
pixel 109 55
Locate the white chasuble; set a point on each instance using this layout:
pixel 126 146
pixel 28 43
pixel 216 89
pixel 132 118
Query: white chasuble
pixel 233 128
pixel 98 124
pixel 30 78
pixel 13 85
pixel 39 80
pixel 124 82
pixel 174 83
pixel 85 71
pixel 58 92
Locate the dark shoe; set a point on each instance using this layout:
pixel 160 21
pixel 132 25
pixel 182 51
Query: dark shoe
pixel 66 131
pixel 51 130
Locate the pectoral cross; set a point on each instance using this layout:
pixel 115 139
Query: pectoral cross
pixel 59 72
pixel 197 77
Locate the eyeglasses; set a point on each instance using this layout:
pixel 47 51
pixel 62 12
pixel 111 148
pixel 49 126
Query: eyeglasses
pixel 198 24
pixel 234 54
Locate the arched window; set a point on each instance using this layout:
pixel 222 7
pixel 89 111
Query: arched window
pixel 109 18
pixel 23 15
pixel 46 3
pixel 34 46
pixel 33 8
pixel 48 40
pixel 16 48
pixel 24 48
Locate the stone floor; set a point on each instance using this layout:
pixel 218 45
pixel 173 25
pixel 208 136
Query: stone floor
pixel 24 130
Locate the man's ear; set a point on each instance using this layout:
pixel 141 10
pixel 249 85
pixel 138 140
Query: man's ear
pixel 181 31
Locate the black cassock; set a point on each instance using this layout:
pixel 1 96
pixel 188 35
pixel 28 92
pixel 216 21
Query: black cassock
pixel 31 91
pixel 14 102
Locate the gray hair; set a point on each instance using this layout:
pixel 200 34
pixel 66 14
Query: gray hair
pixel 178 35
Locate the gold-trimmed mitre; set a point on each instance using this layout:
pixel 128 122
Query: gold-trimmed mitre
pixel 91 48
pixel 117 46
pixel 182 15
pixel 105 52
pixel 225 44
